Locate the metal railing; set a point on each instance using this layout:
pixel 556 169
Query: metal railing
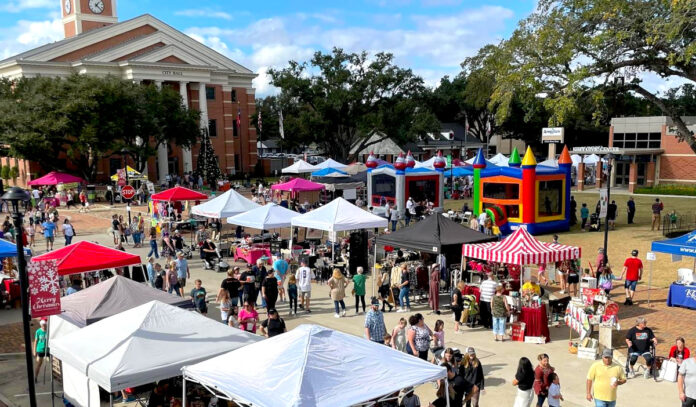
pixel 677 224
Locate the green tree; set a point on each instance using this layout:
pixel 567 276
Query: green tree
pixel 14 173
pixel 5 172
pixel 571 52
pixel 207 164
pixel 344 98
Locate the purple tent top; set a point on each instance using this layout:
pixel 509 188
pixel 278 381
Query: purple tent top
pixel 53 178
pixel 298 185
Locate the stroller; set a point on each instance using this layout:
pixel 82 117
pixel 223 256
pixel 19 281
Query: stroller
pixel 470 310
pixel 595 223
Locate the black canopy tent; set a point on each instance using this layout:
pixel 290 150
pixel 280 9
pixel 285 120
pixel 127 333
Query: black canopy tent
pixel 435 234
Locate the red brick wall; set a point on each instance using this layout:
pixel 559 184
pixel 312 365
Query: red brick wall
pixel 172 59
pixel 671 145
pixel 140 52
pixel 109 43
pixel 84 7
pixel 91 25
pixel 677 168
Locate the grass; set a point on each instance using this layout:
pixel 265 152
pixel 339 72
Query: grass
pixel 668 189
pixel 625 238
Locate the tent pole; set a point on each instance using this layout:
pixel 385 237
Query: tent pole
pixel 50 358
pixel 111 399
pixel 290 243
pixel 374 268
pixel 650 281
pixel 183 391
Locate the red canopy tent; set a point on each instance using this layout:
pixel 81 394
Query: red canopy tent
pixel 521 248
pixel 179 194
pixel 54 178
pixel 85 256
pixel 298 185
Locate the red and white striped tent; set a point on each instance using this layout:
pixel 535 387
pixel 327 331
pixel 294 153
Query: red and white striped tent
pixel 520 248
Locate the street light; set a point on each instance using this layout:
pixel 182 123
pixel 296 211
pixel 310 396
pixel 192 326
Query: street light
pixel 610 158
pixel 15 196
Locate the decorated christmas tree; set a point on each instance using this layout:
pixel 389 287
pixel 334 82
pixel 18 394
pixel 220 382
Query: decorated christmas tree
pixel 207 164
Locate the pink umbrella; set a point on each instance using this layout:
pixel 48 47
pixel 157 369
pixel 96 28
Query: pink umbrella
pixel 298 185
pixel 53 178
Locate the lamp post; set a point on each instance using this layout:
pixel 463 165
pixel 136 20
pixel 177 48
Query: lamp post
pixel 16 196
pixel 124 153
pixel 610 159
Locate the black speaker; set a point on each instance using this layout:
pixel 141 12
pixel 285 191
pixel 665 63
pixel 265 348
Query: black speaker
pixel 358 256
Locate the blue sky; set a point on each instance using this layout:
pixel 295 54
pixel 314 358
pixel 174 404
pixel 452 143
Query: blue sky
pixel 430 36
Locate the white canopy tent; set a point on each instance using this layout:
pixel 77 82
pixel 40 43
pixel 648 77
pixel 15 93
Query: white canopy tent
pixel 330 163
pixel 320 359
pixel 299 167
pixel 549 163
pixel 339 215
pixel 426 164
pixel 269 216
pixel 500 160
pixel 576 159
pixel 591 159
pixel 228 204
pixel 139 346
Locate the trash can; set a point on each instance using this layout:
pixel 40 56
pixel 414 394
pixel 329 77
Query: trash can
pixel 91 193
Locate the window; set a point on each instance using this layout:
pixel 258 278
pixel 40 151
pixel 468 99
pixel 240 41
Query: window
pixel 234 95
pixel 235 129
pixel 237 163
pixel 212 128
pixel 550 201
pixel 637 140
pixel 497 190
pixel 423 189
pixel 209 93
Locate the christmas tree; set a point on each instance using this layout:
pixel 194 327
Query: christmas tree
pixel 207 164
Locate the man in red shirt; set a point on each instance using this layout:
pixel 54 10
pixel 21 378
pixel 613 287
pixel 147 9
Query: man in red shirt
pixel 633 270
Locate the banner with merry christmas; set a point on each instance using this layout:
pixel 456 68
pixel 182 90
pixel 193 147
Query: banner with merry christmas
pixel 44 289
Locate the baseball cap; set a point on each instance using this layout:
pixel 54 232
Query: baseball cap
pixel 374 301
pixel 634 253
pixel 470 350
pixel 607 353
pixel 272 311
pixel 42 322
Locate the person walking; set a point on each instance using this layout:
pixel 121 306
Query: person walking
pixel 39 348
pixel 49 232
pixel 524 380
pixel 603 378
pixel 418 337
pixel 375 329
pixel 304 276
pixel 337 283
pixel 153 243
pixel 231 285
pixel 631 207
pixel 488 287
pixel 68 232
pixel 150 267
pixel 384 290
pixel 292 294
pixel 686 382
pixel 269 289
pixel 541 378
pixel 472 372
pixel 359 288
pixel 584 215
pixel 499 311
pixel 182 271
pixel 657 208
pixel 274 323
pixel 199 297
pixel 280 269
pixel 633 271
pixel 404 290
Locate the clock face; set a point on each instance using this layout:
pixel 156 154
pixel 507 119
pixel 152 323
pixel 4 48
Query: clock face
pixel 96 6
pixel 67 6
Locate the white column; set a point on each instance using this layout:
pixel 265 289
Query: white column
pixel 203 105
pixel 613 172
pixel 186 152
pixel 162 154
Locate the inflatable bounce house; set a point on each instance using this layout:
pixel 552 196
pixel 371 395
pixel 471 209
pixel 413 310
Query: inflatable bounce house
pixel 524 194
pixel 396 183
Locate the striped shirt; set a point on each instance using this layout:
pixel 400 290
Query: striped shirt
pixel 488 290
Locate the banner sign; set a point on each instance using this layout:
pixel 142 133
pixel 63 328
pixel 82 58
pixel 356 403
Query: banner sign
pixel 553 135
pixel 121 173
pixel 44 289
pixel 603 203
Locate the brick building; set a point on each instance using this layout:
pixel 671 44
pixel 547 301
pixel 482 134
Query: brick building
pixel 147 50
pixel 648 152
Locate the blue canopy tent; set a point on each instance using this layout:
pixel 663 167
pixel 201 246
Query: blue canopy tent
pixel 681 246
pixel 460 171
pixel 9 249
pixel 329 172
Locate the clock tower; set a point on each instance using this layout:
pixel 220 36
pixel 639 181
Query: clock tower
pixel 83 15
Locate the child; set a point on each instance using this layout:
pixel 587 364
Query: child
pixel 388 340
pixel 232 319
pixel 31 229
pixel 39 348
pixel 542 274
pixel 198 296
pixel 555 396
pixel 225 305
pixel 438 339
pixel 399 336
pixel 584 214
pixel 292 294
pixel 606 280
pixel 159 277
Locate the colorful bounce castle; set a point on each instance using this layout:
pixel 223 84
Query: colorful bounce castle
pixel 524 194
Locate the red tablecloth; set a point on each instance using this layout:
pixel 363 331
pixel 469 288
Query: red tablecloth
pixel 537 321
pixel 12 287
pixel 473 290
pixel 251 255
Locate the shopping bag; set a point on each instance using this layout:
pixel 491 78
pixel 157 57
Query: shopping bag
pixel 669 371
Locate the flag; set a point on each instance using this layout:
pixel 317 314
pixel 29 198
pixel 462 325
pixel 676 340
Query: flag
pixel 260 123
pixel 239 118
pixel 280 125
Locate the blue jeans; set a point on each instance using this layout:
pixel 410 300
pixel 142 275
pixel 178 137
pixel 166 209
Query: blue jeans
pixel 394 225
pixel 68 240
pixel 153 249
pixel 136 237
pixel 234 301
pixel 343 305
pixel 174 288
pixel 540 400
pixel 404 294
pixel 498 325
pixel 602 403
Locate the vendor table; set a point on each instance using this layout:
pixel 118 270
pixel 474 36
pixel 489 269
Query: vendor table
pixel 250 255
pixel 536 320
pixel 682 296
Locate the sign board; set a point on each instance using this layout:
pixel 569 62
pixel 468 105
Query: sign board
pixel 603 203
pixel 121 173
pixel 128 192
pixel 599 150
pixel 150 187
pixel 44 289
pixel 555 135
pixel 650 256
pixel 350 193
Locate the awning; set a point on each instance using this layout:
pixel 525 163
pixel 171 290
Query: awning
pixel 133 175
pixel 298 167
pixel 54 178
pixel 339 215
pixel 179 194
pixel 269 216
pixel 228 204
pixel 683 245
pixel 297 185
pixel 86 256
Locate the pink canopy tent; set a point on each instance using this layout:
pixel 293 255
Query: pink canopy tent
pixel 54 178
pixel 521 248
pixel 298 185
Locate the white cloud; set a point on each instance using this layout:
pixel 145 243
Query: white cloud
pixel 29 34
pixel 204 12
pixel 21 5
